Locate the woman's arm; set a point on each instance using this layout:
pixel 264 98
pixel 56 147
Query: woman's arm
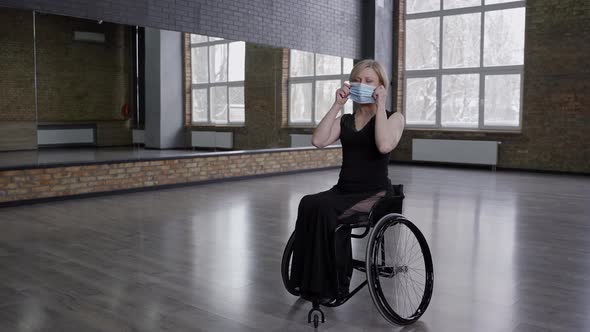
pixel 388 132
pixel 328 131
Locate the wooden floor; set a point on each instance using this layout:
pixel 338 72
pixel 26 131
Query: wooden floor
pixel 511 253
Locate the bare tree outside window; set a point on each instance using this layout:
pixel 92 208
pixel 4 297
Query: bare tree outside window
pixel 218 70
pixel 313 81
pixel 421 97
pixel 420 6
pixel 463 64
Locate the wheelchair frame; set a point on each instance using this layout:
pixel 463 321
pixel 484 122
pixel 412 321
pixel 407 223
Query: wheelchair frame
pixel 380 210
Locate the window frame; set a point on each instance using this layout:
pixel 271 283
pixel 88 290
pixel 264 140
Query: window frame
pixel 227 84
pixel 481 70
pixel 313 80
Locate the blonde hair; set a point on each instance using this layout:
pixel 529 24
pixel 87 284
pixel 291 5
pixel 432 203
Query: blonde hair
pixel 376 66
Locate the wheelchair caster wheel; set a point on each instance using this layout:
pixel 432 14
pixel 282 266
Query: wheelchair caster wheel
pixel 318 315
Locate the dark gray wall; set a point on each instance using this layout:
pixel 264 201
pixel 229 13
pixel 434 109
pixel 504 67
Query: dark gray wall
pixel 327 26
pixel 152 88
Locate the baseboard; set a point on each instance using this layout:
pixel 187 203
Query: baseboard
pixel 486 167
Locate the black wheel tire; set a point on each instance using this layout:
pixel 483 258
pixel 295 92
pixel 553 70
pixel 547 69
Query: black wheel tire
pixel 316 321
pixel 286 265
pixel 375 289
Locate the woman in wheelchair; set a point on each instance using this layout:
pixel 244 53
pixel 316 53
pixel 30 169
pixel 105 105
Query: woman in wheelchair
pixel 367 137
pixel 317 261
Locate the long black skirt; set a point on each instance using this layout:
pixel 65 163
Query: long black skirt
pixel 322 260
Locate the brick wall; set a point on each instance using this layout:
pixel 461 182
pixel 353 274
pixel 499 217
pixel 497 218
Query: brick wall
pixel 263 96
pixel 80 81
pixel 292 24
pixel 285 89
pixel 17 91
pixel 188 103
pixel 17 86
pixel 90 179
pixel 556 95
pixel 76 81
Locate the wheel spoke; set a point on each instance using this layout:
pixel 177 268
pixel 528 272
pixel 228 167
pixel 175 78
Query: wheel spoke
pixel 414 253
pixel 409 299
pixel 414 284
pixel 420 282
pixel 399 270
pixel 409 263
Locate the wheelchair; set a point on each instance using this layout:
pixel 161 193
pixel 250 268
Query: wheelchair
pixel 398 263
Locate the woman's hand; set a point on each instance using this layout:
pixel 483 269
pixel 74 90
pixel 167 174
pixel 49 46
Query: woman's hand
pixel 342 94
pixel 380 95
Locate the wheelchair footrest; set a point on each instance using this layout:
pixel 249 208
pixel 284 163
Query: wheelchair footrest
pixel 384 271
pixel 358 265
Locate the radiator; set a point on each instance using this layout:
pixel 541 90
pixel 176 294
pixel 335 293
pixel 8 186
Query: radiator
pixel 63 135
pixel 455 151
pixel 303 140
pixel 299 140
pixel 212 139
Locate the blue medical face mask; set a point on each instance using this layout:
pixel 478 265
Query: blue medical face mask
pixel 362 93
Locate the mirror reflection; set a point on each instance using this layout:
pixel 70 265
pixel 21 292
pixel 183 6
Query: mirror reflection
pixel 76 90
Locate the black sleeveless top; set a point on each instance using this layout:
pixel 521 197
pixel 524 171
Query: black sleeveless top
pixel 364 168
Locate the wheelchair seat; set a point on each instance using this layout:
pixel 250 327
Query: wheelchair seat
pixel 368 212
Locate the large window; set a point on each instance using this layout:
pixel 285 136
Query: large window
pixel 217 81
pixel 313 81
pixel 464 64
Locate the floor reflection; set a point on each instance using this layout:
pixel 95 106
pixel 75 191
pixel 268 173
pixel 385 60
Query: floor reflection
pixel 82 155
pixel 508 256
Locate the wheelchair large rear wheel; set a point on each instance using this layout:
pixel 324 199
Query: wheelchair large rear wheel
pixel 399 269
pixel 286 265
